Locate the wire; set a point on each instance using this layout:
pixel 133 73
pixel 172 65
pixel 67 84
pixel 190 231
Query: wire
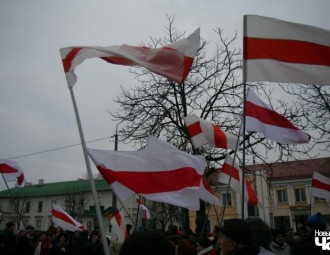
pixel 59 148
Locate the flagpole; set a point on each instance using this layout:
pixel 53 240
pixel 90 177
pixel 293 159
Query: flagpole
pixel 90 175
pixel 244 123
pixel 14 202
pixel 231 173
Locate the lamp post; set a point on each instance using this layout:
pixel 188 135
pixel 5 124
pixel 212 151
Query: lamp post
pixel 114 197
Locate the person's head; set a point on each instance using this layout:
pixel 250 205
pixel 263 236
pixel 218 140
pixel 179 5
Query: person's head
pixel 10 226
pixel 278 236
pixel 62 238
pixel 316 222
pixel 202 243
pixel 146 243
pixel 261 231
pixel 43 236
pixel 29 230
pixel 185 247
pixel 236 235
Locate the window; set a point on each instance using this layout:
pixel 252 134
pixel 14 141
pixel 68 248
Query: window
pixel 40 204
pixel 226 199
pixel 38 223
pixel 316 199
pixel 282 196
pixel 300 194
pixel 27 206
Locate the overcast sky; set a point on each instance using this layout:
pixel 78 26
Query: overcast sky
pixel 36 112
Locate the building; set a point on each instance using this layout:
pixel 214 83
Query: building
pixel 284 190
pixel 33 203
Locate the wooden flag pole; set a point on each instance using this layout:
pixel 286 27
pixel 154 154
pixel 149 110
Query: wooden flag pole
pixel 90 176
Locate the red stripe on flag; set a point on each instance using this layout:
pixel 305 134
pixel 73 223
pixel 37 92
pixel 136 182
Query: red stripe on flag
pixel 220 137
pixel 187 62
pixel 194 129
pixel 20 179
pixel 320 185
pixel 63 217
pixel 6 169
pixel 290 51
pixel 68 59
pixel 227 169
pixel 253 199
pixel 153 182
pixel 118 218
pixel 267 116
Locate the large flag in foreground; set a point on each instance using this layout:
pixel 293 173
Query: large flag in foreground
pixel 168 176
pixel 172 61
pixel 263 119
pixel 205 191
pixel 280 51
pixel 118 226
pixel 12 172
pixel 62 219
pixel 204 132
pixel 320 186
pixel 228 169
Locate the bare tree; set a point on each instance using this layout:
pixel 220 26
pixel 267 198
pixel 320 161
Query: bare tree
pixel 75 201
pixel 212 91
pixel 312 106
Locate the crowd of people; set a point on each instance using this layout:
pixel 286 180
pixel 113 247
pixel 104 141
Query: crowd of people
pixel 234 237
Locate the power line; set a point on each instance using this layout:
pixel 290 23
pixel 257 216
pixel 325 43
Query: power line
pixel 59 148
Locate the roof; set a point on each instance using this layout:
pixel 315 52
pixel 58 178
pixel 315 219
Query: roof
pixel 56 188
pixel 294 169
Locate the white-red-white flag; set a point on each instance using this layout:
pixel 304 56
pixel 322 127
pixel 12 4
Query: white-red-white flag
pixel 168 176
pixel 279 51
pixel 233 170
pixel 320 186
pixel 146 212
pixel 205 191
pixel 12 172
pixel 118 226
pixel 172 61
pixel 63 220
pixel 204 132
pixel 263 119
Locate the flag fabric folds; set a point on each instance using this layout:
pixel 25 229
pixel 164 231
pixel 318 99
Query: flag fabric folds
pixel 320 186
pixel 203 132
pixel 146 212
pixel 205 191
pixel 263 119
pixel 12 172
pixel 172 61
pixel 119 226
pixel 233 170
pixel 62 219
pixel 281 51
pixel 168 176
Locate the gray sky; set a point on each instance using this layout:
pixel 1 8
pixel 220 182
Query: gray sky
pixel 36 111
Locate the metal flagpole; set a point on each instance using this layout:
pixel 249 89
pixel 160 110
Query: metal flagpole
pixel 244 109
pixel 90 176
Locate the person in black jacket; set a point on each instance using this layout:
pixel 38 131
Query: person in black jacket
pixel 27 243
pixel 8 240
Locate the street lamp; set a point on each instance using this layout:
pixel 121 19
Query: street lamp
pixel 114 197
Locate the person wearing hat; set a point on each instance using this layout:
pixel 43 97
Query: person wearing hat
pixel 307 245
pixel 236 238
pixel 278 245
pixel 8 239
pixel 26 244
